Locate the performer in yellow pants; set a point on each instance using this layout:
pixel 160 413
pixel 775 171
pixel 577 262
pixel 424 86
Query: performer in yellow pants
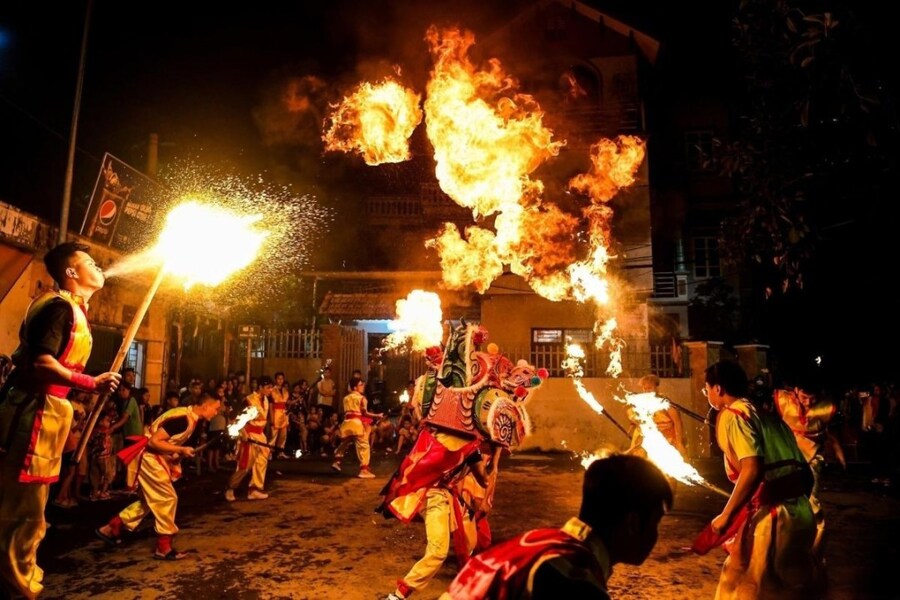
pixel 354 430
pixel 153 465
pixel 253 457
pixel 54 345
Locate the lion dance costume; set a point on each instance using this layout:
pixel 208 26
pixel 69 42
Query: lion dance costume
pixel 469 399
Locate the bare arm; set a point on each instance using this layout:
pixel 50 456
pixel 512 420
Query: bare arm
pixel 159 441
pixel 748 480
pixel 49 370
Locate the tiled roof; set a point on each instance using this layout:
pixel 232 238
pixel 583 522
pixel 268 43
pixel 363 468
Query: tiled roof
pixel 359 306
pixel 368 306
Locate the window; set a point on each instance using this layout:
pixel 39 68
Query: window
pixel 706 258
pixel 699 146
pixel 135 359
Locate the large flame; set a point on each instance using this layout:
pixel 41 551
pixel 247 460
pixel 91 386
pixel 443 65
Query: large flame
pixel 487 137
pixel 375 121
pixel 198 260
pixel 419 321
pixel 659 451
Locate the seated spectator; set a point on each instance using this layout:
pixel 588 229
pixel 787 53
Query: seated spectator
pixel 331 434
pixel 406 434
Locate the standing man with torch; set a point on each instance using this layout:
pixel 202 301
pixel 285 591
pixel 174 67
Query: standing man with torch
pixel 253 448
pixel 153 463
pixel 54 346
pixel 767 525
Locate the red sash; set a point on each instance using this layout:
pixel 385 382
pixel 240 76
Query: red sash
pixel 502 572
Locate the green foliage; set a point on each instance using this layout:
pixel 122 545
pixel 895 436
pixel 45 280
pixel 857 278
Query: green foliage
pixel 805 148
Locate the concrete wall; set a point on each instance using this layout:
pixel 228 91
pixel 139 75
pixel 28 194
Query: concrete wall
pixel 561 420
pixel 12 311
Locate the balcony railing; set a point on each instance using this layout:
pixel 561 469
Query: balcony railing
pixel 668 284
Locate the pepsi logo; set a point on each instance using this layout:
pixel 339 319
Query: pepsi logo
pixel 108 212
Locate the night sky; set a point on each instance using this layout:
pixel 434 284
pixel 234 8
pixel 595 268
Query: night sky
pixel 201 78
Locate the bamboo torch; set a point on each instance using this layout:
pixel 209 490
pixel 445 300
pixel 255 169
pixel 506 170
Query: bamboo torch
pixel 178 253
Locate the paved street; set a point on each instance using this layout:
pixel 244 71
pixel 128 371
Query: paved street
pixel 316 537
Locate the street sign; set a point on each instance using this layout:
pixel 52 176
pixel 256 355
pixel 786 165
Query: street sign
pixel 249 331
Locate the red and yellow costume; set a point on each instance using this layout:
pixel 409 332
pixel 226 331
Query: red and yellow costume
pixel 809 424
pixel 508 570
pixel 154 473
pixel 253 458
pixel 434 483
pixel 355 429
pixel 280 422
pixel 769 542
pixel 34 423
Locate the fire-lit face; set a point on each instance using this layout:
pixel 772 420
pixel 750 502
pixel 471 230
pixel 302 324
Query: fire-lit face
pixel 85 271
pixel 805 398
pixel 208 410
pixel 714 396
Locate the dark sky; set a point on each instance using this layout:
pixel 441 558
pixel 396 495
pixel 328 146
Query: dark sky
pixel 195 74
pixel 189 71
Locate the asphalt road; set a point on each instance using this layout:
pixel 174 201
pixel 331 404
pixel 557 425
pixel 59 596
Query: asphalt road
pixel 317 537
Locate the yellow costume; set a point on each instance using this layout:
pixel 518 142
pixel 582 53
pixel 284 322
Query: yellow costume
pixel 280 422
pixel 154 473
pixel 34 423
pixel 354 430
pixel 772 551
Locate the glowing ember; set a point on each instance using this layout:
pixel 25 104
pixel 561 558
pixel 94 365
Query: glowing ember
pixel 298 453
pixel 196 261
pixel 248 414
pixel 419 321
pixel 375 121
pixel 658 449
pixel 404 397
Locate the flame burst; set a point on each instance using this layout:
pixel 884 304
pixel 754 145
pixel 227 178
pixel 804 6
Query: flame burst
pixel 375 121
pixel 248 414
pixel 184 256
pixel 659 451
pixel 404 397
pixel 419 321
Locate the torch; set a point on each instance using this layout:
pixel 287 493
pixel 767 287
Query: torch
pixel 178 253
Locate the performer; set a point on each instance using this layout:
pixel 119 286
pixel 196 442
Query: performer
pixel 808 416
pixel 354 429
pixel 153 463
pixel 280 397
pixel 576 560
pixel 471 401
pixel 667 421
pixel 252 456
pixel 767 524
pixel 35 417
pixel 453 502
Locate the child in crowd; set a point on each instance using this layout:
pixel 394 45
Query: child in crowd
pixel 406 434
pixel 102 465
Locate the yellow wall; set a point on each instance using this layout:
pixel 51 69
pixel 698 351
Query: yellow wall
pixel 561 420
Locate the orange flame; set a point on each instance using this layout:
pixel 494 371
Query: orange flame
pixel 419 321
pixel 249 413
pixel 487 137
pixel 659 451
pixel 375 121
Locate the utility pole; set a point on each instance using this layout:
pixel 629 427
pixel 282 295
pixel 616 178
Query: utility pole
pixel 70 164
